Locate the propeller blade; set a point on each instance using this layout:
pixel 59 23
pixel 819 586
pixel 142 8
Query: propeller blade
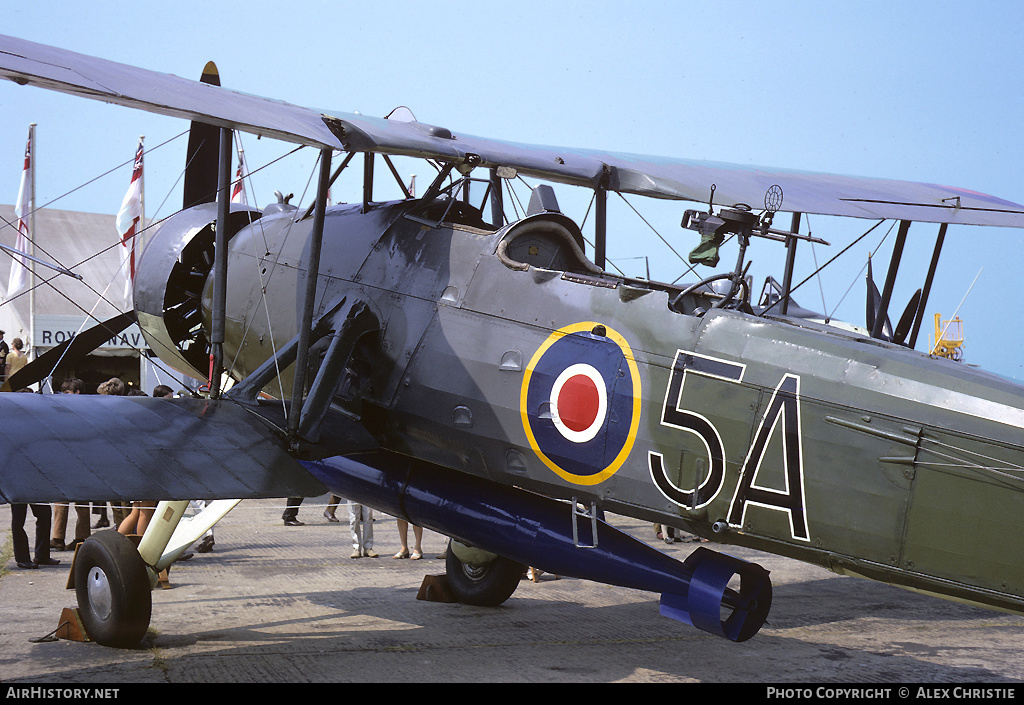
pixel 69 351
pixel 203 154
pixel 874 303
pixel 907 319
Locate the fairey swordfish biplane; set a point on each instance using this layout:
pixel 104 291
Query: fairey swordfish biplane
pixel 485 379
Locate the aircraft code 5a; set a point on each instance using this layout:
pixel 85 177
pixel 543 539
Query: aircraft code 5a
pixel 781 415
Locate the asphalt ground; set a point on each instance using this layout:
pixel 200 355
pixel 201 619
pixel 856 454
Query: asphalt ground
pixel 277 604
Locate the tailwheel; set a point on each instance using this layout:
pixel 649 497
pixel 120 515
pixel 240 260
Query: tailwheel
pixel 113 589
pixel 487 581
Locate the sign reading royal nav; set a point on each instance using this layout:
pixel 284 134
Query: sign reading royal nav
pixel 53 330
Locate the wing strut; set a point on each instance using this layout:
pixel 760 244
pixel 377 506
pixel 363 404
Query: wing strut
pixel 939 239
pixel 220 261
pixel 497 200
pixel 367 180
pixel 334 177
pixel 306 325
pixel 787 278
pixel 890 279
pixel 600 226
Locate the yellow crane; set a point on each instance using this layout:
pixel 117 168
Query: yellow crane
pixel 949 338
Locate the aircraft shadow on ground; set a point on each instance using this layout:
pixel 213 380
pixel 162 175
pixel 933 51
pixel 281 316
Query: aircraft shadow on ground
pixel 533 628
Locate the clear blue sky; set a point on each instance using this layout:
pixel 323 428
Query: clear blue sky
pixel 925 91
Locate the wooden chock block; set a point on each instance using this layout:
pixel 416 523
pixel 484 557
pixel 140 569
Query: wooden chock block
pixel 435 589
pixel 163 579
pixel 71 627
pixel 71 571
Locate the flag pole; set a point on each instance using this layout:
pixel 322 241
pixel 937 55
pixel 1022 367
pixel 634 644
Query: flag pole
pixel 142 201
pixel 128 222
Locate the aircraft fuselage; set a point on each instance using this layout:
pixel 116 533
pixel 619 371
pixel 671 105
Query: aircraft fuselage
pixel 778 434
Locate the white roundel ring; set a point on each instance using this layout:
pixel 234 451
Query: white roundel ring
pixel 579 402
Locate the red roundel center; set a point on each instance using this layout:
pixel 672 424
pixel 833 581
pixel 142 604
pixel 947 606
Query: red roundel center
pixel 579 403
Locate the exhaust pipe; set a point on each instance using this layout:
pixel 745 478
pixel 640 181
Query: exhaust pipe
pixel 538 531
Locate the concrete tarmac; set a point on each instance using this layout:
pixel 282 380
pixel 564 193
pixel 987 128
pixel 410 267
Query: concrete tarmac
pixel 286 604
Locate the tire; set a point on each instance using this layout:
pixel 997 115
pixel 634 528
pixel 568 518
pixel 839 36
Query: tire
pixel 486 585
pixel 115 601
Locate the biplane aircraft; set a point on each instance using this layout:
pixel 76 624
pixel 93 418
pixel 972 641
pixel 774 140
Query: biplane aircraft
pixel 486 379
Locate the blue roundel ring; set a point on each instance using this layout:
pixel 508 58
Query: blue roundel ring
pixel 580 402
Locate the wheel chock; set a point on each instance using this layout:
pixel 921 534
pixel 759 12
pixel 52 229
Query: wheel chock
pixel 163 580
pixel 435 589
pixel 71 572
pixel 71 627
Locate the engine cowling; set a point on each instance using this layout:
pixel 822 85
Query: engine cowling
pixel 170 280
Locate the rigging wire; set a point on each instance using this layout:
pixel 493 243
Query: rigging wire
pixel 264 282
pixel 31 237
pixel 101 296
pixel 820 269
pixel 854 280
pixel 116 243
pixel 676 253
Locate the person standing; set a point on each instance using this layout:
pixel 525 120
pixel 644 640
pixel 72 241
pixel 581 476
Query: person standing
pixel 60 524
pixel 71 385
pixel 16 359
pixel 3 356
pixel 332 507
pixel 291 512
pixel 403 538
pixel 42 539
pixel 360 520
pixel 115 387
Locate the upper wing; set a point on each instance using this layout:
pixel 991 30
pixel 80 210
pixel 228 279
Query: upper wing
pixel 34 64
pixel 59 447
pixel 827 194
pixel 690 180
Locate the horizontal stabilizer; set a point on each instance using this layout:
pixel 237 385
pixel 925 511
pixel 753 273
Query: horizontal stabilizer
pixel 69 447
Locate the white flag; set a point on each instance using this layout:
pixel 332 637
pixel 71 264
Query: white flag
pixel 19 266
pixel 129 223
pixel 238 187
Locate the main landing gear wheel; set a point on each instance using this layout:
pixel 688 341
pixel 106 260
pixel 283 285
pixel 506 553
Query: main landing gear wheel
pixel 485 585
pixel 113 589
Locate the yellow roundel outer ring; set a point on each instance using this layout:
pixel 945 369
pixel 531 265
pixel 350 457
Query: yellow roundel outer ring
pixel 634 424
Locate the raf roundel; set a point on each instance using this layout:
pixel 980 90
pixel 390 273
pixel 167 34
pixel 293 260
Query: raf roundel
pixel 580 402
